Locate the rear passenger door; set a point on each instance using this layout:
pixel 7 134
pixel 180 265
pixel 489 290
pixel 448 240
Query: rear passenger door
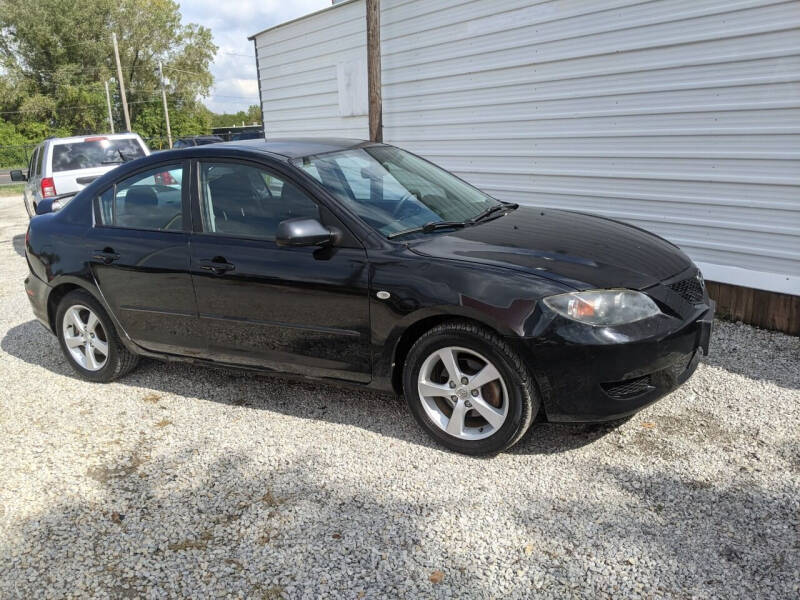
pixel 299 310
pixel 139 255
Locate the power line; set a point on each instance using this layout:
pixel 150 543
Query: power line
pixel 184 71
pixel 99 105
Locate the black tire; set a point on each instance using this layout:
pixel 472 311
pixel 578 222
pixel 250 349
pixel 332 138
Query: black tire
pixel 119 362
pixel 523 400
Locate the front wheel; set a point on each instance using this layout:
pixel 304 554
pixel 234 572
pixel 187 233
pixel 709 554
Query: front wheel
pixel 469 389
pixel 89 340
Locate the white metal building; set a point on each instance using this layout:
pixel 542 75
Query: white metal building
pixel 680 116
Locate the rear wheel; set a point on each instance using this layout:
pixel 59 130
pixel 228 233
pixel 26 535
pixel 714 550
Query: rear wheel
pixel 468 389
pixel 89 340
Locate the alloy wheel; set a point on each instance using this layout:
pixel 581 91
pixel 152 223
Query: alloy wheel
pixel 85 337
pixel 463 393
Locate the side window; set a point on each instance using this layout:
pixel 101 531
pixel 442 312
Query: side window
pixel 148 200
pixel 32 163
pixel 40 159
pixel 247 201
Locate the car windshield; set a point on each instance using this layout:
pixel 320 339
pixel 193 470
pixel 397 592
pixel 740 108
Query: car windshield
pixel 393 190
pixel 91 153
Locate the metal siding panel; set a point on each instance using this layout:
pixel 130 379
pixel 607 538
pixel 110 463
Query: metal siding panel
pixel 680 116
pixel 297 73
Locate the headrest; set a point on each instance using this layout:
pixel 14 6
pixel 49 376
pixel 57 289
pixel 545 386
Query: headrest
pixel 141 195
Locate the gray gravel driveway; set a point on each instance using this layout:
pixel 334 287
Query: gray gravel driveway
pixel 183 482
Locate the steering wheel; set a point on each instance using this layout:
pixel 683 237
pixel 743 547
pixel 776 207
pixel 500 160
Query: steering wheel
pixel 172 221
pixel 403 201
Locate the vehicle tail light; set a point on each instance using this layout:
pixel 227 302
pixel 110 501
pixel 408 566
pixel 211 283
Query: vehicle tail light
pixel 165 178
pixel 95 139
pixel 48 187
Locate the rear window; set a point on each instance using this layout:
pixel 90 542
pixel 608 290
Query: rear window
pixel 95 153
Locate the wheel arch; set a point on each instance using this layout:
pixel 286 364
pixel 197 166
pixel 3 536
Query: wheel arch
pixel 412 332
pixel 70 284
pixel 54 299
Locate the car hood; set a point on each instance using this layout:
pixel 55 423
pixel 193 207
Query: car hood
pixel 579 250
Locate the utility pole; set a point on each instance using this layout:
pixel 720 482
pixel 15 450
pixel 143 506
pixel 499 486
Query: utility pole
pixel 108 103
pixel 374 70
pixel 121 84
pixel 164 99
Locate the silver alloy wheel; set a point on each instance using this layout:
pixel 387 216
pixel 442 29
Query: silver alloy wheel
pixel 463 393
pixel 85 337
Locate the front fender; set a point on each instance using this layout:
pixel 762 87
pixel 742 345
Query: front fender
pixel 426 291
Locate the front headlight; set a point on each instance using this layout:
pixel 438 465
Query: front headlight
pixel 603 307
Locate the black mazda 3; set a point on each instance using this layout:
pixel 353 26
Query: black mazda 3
pixel 363 263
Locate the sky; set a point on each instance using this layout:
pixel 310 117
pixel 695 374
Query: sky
pixel 231 22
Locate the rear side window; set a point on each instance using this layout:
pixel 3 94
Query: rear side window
pixel 148 200
pixel 94 152
pixel 39 160
pixel 32 162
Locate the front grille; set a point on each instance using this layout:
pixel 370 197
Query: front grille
pixel 689 289
pixel 627 388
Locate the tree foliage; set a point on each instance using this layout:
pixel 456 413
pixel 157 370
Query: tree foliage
pixel 56 54
pixel 247 117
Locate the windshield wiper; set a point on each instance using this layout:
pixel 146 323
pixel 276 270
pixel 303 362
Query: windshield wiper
pixel 492 210
pixel 428 227
pixel 123 158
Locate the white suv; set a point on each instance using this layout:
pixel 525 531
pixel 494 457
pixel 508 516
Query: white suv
pixel 66 165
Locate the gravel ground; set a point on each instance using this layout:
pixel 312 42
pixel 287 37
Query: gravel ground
pixel 182 482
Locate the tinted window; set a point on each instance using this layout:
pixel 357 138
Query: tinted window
pixel 248 201
pixel 148 200
pixel 32 163
pixel 39 160
pixel 97 153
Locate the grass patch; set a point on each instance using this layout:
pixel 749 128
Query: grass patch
pixel 14 189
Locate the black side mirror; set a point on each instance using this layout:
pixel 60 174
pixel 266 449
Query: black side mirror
pixel 48 205
pixel 303 232
pixel 18 175
pixel 45 206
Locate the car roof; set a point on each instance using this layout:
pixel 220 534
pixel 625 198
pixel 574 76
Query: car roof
pixel 81 138
pixel 278 149
pixel 295 147
pixel 204 136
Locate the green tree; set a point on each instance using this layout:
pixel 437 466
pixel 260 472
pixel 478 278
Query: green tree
pixel 57 53
pixel 248 117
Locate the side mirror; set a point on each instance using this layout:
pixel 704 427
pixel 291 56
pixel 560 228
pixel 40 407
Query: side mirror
pixel 48 205
pixel 303 232
pixel 45 206
pixel 18 175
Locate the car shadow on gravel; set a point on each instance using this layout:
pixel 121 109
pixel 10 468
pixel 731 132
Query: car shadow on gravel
pixel 149 521
pixel 379 412
pixel 18 241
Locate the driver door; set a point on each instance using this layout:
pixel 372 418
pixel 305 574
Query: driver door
pixel 297 310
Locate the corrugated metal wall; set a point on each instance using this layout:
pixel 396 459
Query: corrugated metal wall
pixel 301 67
pixel 680 116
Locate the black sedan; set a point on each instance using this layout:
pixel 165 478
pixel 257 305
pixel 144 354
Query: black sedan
pixel 362 263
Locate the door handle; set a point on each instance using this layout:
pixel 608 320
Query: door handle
pixel 105 256
pixel 217 265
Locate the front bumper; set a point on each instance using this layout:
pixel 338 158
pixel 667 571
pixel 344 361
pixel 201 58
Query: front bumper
pixel 38 292
pixel 590 374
